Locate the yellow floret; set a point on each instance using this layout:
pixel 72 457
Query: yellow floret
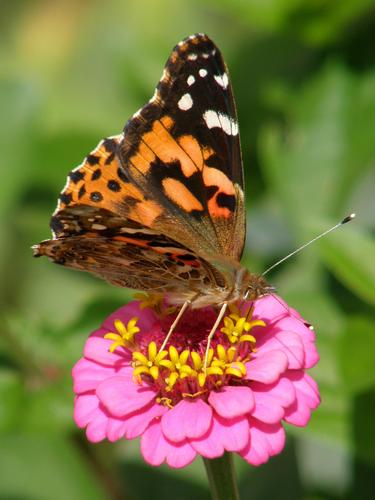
pixel 125 334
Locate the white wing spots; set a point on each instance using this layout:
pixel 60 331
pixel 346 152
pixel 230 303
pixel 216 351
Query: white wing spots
pixel 214 119
pixel 116 138
pixel 234 127
pixel 190 80
pixel 211 118
pixel 222 80
pixel 165 75
pixel 192 57
pixel 185 102
pixel 130 230
pixel 155 96
pixel 205 55
pixel 99 227
pixel 202 72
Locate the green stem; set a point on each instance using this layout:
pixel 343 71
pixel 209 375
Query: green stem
pixel 221 476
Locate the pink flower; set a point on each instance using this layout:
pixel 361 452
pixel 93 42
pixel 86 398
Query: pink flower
pixel 255 380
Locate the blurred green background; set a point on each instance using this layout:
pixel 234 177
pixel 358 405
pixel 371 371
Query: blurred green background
pixel 303 73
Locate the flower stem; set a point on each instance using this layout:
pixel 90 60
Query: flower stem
pixel 221 476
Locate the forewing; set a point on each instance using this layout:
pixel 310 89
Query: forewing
pixel 183 150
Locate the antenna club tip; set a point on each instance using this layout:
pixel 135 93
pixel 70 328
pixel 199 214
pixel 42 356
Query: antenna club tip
pixel 348 218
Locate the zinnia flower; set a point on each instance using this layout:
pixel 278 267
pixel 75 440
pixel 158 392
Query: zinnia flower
pixel 255 380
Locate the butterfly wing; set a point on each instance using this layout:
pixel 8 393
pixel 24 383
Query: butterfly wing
pixel 183 149
pixel 177 169
pixel 174 179
pixel 132 256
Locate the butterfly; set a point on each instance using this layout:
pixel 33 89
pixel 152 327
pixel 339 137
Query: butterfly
pixel 160 208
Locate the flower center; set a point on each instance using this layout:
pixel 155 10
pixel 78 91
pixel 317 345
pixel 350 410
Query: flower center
pixel 178 372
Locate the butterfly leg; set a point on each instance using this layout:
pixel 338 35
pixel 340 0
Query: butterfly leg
pixel 212 332
pixel 185 305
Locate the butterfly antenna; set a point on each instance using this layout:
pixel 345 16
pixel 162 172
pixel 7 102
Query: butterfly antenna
pixel 344 221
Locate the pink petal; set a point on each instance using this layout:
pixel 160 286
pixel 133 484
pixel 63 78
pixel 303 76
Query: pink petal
pixel 97 349
pixel 115 429
pixel 180 455
pixel 188 419
pixel 154 445
pixel 311 354
pixel 235 432
pixel 280 317
pixel 147 317
pixel 88 413
pixel 99 332
pixel 156 448
pixel 307 398
pixel 136 424
pixel 307 337
pixel 87 374
pixel 224 434
pixel 85 407
pixel 121 396
pixel 232 401
pixel 271 400
pixel 211 444
pixel 288 342
pixel 266 440
pixel 270 309
pixel 267 367
pixel 97 429
pixel 293 324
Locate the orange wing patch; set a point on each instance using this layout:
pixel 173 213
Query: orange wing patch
pixel 179 194
pixel 98 180
pixel 160 144
pixel 101 181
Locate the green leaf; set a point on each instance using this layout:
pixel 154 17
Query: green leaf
pixel 326 146
pixel 349 254
pixel 331 420
pixel 45 467
pixel 49 408
pixel 138 477
pixel 363 418
pixel 278 479
pixel 356 355
pixel 315 22
pixel 11 397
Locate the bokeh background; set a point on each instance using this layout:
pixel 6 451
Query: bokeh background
pixel 303 73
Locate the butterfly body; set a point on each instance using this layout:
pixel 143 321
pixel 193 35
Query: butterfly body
pixel 160 207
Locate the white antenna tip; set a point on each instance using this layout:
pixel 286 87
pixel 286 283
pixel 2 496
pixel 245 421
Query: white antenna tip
pixel 348 218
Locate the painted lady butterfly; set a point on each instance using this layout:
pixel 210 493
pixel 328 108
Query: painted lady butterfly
pixel 160 207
